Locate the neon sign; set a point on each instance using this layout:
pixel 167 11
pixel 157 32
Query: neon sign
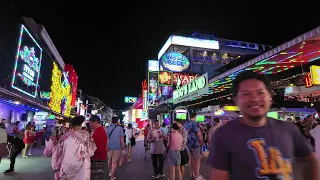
pixel 183 78
pixel 193 89
pixel 27 65
pixel 128 99
pixel 60 96
pixel 175 62
pixel 308 80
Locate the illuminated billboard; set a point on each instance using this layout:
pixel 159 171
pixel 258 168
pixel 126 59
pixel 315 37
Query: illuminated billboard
pixel 61 94
pixel 153 65
pixel 128 99
pixel 165 78
pixel 27 64
pixel 175 62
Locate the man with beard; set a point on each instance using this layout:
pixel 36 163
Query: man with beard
pixel 254 146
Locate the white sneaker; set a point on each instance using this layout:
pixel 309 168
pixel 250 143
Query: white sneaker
pixel 199 177
pixel 110 176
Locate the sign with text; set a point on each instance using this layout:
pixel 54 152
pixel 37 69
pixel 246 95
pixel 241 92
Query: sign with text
pixel 27 66
pixel 315 74
pixel 195 88
pixel 128 99
pixel 180 79
pixel 175 62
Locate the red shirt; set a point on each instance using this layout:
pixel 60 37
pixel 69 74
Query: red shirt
pixel 100 138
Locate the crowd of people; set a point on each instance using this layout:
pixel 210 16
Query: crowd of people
pixel 250 147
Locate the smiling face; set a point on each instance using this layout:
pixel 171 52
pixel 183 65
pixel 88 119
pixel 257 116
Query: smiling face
pixel 253 99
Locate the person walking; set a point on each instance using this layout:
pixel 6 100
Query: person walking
pixel 29 139
pixel 115 146
pixel 194 146
pixel 213 129
pixel 165 132
pixel 98 160
pixel 157 149
pixel 71 152
pixel 129 133
pixel 17 146
pixel 146 143
pixel 183 151
pixel 255 146
pixel 173 156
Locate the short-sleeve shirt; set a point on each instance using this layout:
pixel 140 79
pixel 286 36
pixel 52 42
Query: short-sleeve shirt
pixel 193 128
pixel 114 141
pixel 260 152
pixel 100 139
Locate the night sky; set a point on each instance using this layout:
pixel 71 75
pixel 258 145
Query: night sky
pixel 109 44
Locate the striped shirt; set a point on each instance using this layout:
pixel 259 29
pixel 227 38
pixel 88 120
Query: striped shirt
pixel 184 134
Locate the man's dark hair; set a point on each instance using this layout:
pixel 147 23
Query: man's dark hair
pixel 246 75
pixel 216 120
pixel 178 121
pixel 94 118
pixel 114 120
pixel 193 115
pixel 175 126
pixel 155 121
pixel 77 121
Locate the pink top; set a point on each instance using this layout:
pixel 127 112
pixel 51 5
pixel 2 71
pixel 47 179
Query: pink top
pixel 175 141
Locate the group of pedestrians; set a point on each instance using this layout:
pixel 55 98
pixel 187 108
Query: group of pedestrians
pixel 181 147
pixel 77 154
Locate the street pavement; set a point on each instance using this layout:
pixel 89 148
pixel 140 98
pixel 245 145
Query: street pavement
pixel 38 167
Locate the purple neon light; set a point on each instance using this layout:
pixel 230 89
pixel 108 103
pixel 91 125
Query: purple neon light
pixel 23 28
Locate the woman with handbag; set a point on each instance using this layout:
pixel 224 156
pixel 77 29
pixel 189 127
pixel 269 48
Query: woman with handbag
pixel 130 139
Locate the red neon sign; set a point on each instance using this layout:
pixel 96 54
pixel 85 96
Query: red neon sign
pixel 308 80
pixel 144 85
pixel 184 77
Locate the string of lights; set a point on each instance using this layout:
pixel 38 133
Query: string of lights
pixel 282 83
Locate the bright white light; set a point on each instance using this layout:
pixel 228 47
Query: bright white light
pixel 188 41
pixel 17 102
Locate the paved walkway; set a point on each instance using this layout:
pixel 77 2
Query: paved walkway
pixel 39 168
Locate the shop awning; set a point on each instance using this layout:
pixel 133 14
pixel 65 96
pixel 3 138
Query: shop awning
pixel 298 42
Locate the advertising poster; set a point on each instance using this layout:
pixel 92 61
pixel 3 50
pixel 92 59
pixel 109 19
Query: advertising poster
pixel 152 99
pixel 153 82
pixel 165 78
pixel 27 66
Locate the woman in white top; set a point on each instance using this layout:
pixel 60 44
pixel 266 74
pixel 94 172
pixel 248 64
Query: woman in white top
pixel 130 132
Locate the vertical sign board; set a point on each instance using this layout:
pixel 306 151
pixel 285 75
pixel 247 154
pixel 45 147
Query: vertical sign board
pixel 153 68
pixel 315 74
pixel 195 88
pixel 27 64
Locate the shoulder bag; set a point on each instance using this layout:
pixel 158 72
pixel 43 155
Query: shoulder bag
pixel 112 130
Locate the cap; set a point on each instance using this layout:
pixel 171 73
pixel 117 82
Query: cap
pixel 94 118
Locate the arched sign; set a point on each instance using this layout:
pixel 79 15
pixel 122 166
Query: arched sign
pixel 175 62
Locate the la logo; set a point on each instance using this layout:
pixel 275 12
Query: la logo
pixel 270 160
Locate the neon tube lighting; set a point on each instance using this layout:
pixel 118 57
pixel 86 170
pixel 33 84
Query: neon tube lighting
pixel 23 28
pixel 188 41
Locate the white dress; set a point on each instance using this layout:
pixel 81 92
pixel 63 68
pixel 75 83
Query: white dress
pixel 129 133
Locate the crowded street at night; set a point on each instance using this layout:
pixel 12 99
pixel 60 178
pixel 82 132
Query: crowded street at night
pixel 159 90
